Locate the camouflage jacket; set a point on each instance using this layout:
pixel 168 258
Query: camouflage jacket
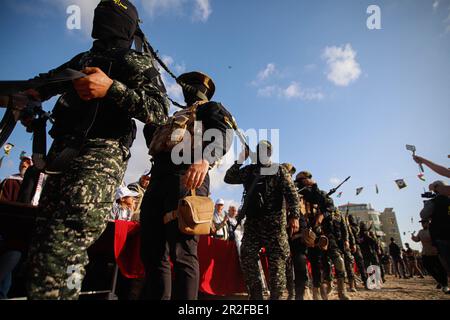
pixel 133 94
pixel 335 228
pixel 277 187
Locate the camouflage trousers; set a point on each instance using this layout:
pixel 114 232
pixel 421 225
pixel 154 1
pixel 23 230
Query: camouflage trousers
pixel 334 257
pixel 74 209
pixel 267 232
pixel 349 262
pixel 360 263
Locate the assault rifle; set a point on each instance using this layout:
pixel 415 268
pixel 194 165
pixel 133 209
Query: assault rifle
pixel 20 106
pixel 333 191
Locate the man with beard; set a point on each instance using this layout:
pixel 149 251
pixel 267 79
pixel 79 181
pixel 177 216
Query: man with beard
pixel 93 133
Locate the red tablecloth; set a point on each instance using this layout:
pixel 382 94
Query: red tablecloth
pixel 220 270
pixel 127 247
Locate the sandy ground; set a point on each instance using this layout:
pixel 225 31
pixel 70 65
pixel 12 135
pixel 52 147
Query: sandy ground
pixel 392 289
pixel 400 289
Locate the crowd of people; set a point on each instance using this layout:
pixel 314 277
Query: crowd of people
pixel 307 241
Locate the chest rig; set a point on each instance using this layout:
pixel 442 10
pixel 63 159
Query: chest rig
pixel 178 127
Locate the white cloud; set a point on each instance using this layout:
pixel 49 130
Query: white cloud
pixel 159 6
pixel 335 181
pixel 267 91
pixel 447 23
pixel 173 89
pixel 436 4
pixel 267 72
pixel 201 11
pixel 343 68
pixel 293 91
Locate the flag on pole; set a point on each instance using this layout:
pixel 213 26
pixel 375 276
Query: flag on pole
pixel 359 190
pixel 421 176
pixel 7 148
pixel 1 161
pixel 401 184
pixel 339 194
pixel 376 189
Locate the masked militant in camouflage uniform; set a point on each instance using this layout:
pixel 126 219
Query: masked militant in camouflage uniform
pixel 324 222
pixel 290 279
pixel 93 120
pixel 339 246
pixel 314 206
pixel 346 249
pixel 265 225
pixel 369 247
pixel 162 240
pixel 354 229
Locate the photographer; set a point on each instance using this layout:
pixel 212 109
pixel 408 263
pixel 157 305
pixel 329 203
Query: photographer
pixel 437 209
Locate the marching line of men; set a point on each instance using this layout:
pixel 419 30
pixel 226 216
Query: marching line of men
pixel 297 222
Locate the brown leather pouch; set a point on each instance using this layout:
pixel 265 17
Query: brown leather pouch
pixel 195 214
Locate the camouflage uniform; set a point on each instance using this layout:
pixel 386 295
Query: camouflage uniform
pixel 76 203
pixel 315 205
pixel 349 260
pixel 369 247
pixel 266 229
pixel 355 241
pixel 336 231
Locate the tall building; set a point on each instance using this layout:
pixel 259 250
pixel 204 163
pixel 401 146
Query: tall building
pixel 384 224
pixel 365 213
pixel 390 226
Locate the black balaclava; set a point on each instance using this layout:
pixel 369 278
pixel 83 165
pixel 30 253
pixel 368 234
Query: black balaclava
pixel 115 24
pixel 264 153
pixel 190 93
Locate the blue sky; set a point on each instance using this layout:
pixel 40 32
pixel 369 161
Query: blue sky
pixel 345 98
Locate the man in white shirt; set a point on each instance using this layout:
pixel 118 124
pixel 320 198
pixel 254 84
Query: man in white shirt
pixel 220 227
pixel 124 205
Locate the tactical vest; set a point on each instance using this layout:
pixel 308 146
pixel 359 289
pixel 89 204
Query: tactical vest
pixel 309 209
pixel 175 130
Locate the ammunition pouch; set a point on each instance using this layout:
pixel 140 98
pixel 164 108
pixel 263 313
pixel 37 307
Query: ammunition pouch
pixel 194 214
pixel 308 237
